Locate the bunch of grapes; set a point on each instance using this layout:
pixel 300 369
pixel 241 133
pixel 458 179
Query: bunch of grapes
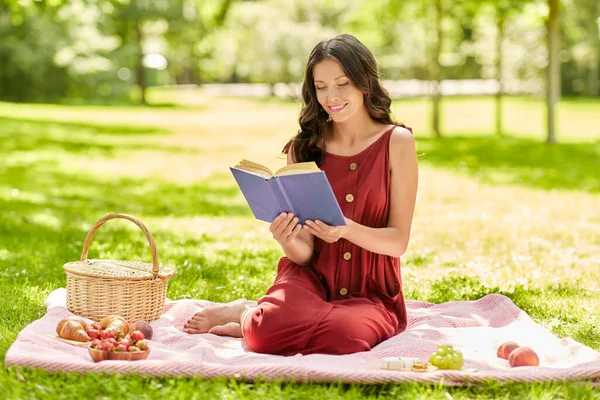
pixel 446 357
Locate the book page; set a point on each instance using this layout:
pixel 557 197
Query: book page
pixel 254 168
pixel 298 168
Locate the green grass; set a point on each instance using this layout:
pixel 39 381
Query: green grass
pixel 510 216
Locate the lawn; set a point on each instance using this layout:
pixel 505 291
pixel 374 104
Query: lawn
pixel 494 215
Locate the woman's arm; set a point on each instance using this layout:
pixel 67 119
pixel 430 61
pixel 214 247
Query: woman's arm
pixel 392 240
pixel 300 248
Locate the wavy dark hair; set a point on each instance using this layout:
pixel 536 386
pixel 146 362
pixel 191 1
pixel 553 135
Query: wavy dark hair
pixel 360 67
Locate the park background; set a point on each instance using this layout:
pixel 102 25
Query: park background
pixel 140 107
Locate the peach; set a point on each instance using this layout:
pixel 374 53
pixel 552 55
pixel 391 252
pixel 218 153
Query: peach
pixel 523 357
pixel 143 327
pixel 505 349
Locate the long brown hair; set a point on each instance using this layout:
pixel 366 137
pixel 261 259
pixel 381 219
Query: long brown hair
pixel 360 67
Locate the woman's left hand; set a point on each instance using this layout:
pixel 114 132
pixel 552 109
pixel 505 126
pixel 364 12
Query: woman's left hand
pixel 327 233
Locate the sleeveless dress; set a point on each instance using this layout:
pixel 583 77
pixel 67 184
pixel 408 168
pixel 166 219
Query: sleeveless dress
pixel 348 299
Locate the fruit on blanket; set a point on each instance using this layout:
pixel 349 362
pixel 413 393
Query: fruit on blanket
pixel 124 342
pixel 523 357
pixel 137 335
pixel 142 345
pixel 115 324
pixel 446 357
pixel 143 327
pixel 96 326
pixel 506 348
pixel 98 354
pixel 72 328
pixel 107 334
pixel 93 333
pixel 127 348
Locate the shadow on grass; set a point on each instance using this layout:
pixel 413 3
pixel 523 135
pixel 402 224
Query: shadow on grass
pixel 509 160
pixel 21 135
pixel 82 127
pixel 82 195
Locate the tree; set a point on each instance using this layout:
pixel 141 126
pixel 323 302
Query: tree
pixel 553 68
pixel 504 10
pixel 191 39
pixel 436 68
pixel 129 17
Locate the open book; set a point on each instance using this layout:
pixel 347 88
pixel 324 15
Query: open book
pixel 301 188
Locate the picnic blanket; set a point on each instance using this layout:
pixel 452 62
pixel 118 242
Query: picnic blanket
pixel 477 328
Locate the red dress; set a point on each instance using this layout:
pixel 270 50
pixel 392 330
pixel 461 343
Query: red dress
pixel 348 299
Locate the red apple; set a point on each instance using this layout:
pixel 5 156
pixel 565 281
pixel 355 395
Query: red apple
pixel 523 357
pixel 505 349
pixel 121 347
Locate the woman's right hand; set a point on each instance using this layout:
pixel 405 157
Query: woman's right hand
pixel 285 228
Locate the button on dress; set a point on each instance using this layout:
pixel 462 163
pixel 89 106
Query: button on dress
pixel 347 299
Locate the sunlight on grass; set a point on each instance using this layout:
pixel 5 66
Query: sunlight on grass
pixel 493 216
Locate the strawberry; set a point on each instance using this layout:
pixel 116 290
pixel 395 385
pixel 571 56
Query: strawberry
pixel 136 336
pixel 96 326
pixel 93 333
pixel 107 335
pixel 125 342
pixel 142 344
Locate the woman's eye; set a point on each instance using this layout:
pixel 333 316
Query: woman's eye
pixel 343 84
pixel 321 88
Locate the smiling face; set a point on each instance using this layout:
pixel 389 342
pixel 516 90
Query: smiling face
pixel 335 92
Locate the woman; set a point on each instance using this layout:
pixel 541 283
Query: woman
pixel 338 290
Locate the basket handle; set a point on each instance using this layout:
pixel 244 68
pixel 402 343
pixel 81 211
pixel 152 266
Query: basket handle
pixel 108 217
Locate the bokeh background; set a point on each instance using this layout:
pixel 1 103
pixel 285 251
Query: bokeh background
pixel 140 107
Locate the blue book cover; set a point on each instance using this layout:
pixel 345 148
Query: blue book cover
pixel 307 194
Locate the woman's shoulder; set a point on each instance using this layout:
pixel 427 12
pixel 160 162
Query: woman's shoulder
pixel 402 139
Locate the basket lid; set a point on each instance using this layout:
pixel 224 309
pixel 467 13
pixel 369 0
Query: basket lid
pixel 117 269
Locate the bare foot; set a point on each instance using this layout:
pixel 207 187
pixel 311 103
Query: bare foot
pixel 233 329
pixel 203 321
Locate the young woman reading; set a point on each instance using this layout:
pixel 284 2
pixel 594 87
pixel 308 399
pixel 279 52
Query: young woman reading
pixel 338 289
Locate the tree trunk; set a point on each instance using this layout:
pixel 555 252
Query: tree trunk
pixel 553 70
pixel 141 72
pixel 593 75
pixel 436 70
pixel 499 71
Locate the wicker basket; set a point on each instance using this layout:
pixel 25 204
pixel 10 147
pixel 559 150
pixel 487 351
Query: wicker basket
pixel 132 290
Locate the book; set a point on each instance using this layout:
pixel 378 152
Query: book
pixel 300 188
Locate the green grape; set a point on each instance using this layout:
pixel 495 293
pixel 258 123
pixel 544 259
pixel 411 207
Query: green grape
pixel 446 357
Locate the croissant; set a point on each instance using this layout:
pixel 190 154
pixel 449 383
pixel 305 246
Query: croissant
pixel 115 323
pixel 72 328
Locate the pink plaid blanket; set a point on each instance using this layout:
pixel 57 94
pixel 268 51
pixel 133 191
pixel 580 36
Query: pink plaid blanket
pixel 476 327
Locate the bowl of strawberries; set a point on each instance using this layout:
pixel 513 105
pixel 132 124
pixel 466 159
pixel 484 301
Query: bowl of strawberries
pixel 111 345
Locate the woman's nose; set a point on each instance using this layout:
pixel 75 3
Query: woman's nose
pixel 333 95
